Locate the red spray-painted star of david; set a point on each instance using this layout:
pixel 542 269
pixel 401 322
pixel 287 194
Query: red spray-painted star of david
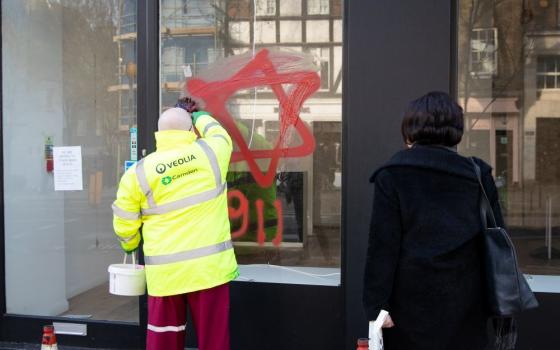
pixel 260 71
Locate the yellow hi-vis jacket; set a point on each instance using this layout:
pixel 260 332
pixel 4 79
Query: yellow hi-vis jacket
pixel 178 195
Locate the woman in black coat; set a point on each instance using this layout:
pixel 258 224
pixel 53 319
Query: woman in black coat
pixel 425 255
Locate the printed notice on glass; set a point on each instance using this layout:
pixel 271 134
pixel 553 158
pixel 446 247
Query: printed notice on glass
pixel 68 168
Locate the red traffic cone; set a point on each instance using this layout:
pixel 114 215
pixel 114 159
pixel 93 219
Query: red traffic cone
pixel 363 344
pixel 49 338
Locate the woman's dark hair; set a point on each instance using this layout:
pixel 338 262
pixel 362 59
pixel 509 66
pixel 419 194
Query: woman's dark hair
pixel 433 119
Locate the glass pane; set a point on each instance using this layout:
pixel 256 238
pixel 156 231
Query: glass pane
pixel 69 80
pixel 513 122
pixel 318 7
pixel 284 179
pixel 290 7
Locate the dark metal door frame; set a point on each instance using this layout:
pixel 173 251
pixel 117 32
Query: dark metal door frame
pixel 397 50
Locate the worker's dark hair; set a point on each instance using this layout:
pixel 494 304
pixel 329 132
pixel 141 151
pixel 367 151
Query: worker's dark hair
pixel 433 119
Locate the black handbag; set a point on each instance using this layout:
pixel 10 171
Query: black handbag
pixel 508 293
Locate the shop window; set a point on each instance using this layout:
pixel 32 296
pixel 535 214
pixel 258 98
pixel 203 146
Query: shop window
pixel 128 17
pixel 512 121
pixel 285 206
pixel 69 67
pixel 172 60
pixel 484 52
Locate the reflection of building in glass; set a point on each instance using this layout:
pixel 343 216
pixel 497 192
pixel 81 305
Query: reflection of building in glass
pixel 509 88
pixel 316 30
pixel 125 87
pixel 190 40
pixel 125 39
pixel 196 33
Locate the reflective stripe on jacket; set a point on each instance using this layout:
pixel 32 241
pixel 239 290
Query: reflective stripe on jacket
pixel 179 195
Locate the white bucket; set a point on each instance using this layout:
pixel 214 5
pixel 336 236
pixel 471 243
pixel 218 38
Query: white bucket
pixel 127 279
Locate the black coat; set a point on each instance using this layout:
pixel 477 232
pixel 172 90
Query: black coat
pixel 425 255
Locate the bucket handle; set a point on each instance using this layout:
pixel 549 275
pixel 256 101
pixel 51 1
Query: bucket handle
pixel 133 257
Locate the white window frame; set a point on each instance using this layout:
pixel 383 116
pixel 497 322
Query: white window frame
pixel 555 72
pixel 482 49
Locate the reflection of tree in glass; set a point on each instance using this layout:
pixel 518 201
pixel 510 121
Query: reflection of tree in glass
pixel 90 68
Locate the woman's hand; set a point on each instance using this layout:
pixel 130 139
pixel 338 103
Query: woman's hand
pixel 388 322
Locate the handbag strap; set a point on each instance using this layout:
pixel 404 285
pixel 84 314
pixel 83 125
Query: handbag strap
pixel 486 211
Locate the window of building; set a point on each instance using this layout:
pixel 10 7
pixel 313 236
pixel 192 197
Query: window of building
pixel 317 31
pixel 322 58
pixel 484 52
pixel 318 7
pixel 548 72
pixel 290 8
pixel 265 7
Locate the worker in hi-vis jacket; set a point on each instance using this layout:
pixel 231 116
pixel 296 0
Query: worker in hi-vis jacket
pixel 178 196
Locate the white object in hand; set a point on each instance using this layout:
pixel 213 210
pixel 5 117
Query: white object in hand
pixel 375 332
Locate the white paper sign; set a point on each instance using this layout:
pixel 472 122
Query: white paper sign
pixel 68 168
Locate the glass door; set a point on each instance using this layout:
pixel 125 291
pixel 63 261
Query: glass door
pixel 69 129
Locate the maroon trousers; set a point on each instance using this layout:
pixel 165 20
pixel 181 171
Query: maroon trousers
pixel 167 318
